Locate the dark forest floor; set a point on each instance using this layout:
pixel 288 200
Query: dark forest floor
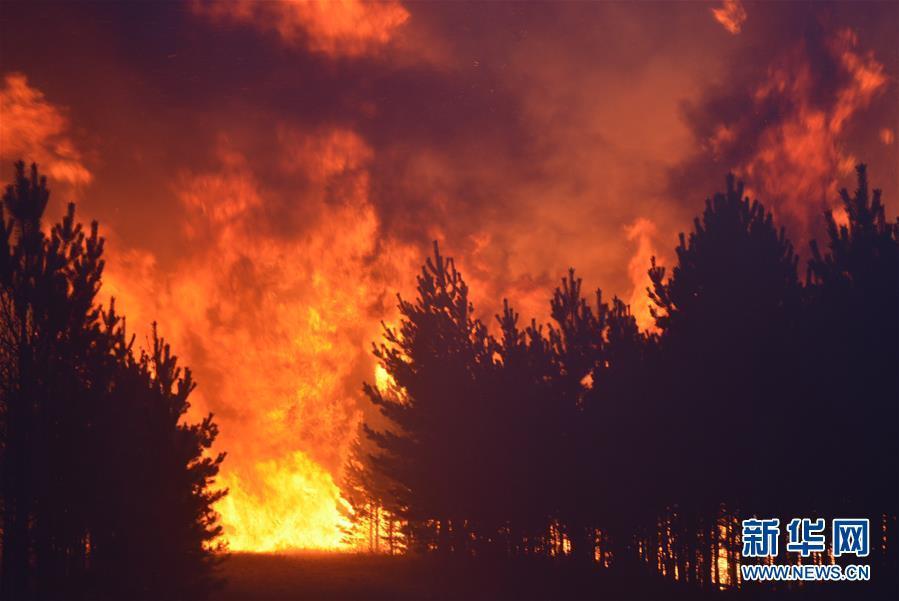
pixel 322 576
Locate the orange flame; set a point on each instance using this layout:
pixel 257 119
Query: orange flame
pixel 277 329
pixel 291 503
pixel 731 15
pixel 642 231
pixel 333 27
pixel 34 129
pixel 800 158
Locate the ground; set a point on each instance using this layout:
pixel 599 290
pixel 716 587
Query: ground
pixel 323 576
pixel 316 575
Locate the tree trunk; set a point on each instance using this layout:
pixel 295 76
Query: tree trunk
pixel 443 540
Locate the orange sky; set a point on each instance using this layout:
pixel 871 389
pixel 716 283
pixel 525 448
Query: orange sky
pixel 269 175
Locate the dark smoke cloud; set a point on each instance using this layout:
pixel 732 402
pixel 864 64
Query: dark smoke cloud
pixel 797 42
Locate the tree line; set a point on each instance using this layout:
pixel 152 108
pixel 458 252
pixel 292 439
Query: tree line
pixel 105 489
pixel 761 392
pixel 584 439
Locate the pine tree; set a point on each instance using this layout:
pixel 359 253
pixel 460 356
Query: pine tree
pixel 526 425
pixel 576 341
pixel 732 402
pixel 154 528
pixel 853 338
pixel 430 449
pixel 372 516
pixel 105 489
pixel 623 400
pixel 49 329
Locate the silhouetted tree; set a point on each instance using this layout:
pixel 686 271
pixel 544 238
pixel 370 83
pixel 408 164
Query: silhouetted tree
pixel 372 514
pixel 728 319
pixel 575 339
pixel 623 399
pixel 49 330
pixel 430 449
pixel 593 436
pixel 105 490
pixel 851 360
pixel 525 427
pixel 154 525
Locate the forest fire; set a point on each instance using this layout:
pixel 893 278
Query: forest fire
pixel 315 301
pixel 269 176
pixel 344 27
pixel 301 311
pixel 789 141
pixel 285 504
